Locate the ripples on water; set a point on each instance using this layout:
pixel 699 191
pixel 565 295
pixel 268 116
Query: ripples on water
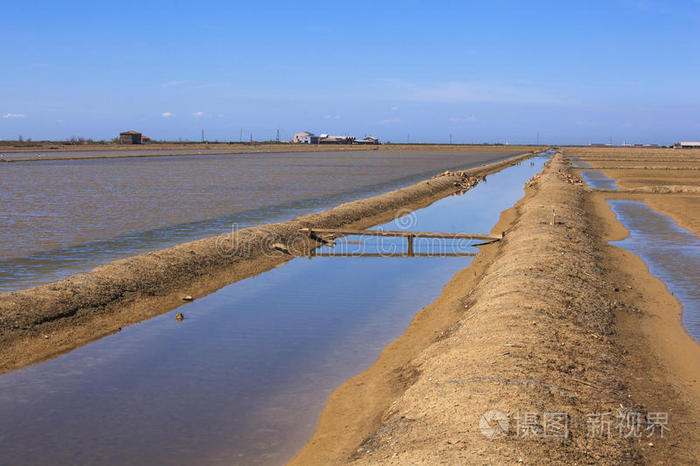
pixel 244 377
pixel 61 217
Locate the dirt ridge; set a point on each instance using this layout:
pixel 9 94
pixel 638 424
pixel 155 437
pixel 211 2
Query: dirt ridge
pixel 536 333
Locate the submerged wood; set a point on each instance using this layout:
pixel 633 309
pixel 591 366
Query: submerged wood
pixel 402 233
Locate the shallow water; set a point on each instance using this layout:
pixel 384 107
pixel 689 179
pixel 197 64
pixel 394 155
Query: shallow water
pixel 56 154
pixel 64 216
pixel 244 377
pixel 598 180
pixel 671 252
pixel 595 178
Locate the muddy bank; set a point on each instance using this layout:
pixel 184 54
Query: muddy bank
pixel 550 320
pixel 44 321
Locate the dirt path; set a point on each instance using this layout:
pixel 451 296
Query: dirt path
pixel 48 320
pixel 559 335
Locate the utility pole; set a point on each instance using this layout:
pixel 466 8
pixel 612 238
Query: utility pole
pixel 202 134
pixel 278 135
pixel 251 138
pixel 240 138
pixel 408 139
pixel 450 139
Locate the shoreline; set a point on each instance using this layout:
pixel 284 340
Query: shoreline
pixel 409 408
pixel 48 320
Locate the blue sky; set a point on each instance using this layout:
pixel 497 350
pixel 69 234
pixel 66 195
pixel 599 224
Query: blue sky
pixel 572 71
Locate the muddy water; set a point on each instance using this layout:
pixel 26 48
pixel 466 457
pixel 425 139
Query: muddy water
pixel 64 216
pixel 17 155
pixel 598 180
pixel 595 178
pixel 244 377
pixel 671 252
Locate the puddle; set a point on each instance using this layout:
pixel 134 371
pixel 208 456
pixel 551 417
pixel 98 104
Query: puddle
pixel 244 377
pixel 598 180
pixel 671 252
pixel 594 178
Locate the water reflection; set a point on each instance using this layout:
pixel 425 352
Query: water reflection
pixel 671 252
pixel 598 180
pixel 243 378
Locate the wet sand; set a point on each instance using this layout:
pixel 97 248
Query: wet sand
pixel 45 321
pixel 551 319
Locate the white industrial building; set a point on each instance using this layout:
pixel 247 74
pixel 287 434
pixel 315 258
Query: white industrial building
pixel 368 140
pixel 304 137
pixel 687 145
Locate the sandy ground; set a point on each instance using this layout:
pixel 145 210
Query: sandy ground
pixel 550 320
pixel 48 320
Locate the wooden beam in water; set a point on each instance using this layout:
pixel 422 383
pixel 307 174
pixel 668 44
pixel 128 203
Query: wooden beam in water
pixel 393 254
pixel 401 233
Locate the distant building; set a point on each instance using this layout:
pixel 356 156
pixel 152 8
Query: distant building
pixel 145 139
pixel 304 137
pixel 369 140
pixel 130 137
pixel 326 139
pixel 687 145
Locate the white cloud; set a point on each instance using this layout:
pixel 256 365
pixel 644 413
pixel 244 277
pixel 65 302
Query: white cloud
pixel 198 114
pixel 332 117
pixel 166 114
pixel 13 115
pixel 469 119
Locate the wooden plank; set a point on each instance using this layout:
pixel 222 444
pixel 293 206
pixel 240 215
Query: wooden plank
pixel 401 233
